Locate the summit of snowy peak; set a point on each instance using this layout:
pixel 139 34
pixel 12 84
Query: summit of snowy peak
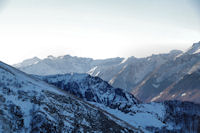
pixel 196 44
pixel 28 62
pixel 51 57
pixel 177 52
pixel 35 58
pixel 194 49
pixel 67 56
pixel 128 59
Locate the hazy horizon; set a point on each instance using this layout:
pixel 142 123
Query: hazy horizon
pixel 96 29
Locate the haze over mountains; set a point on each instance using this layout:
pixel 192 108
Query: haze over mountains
pixel 154 78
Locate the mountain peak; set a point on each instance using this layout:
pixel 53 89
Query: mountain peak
pixel 194 49
pixel 175 52
pixel 28 62
pixel 196 44
pixel 51 57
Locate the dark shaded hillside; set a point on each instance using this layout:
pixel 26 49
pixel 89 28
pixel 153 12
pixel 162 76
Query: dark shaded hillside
pixel 187 89
pixel 93 89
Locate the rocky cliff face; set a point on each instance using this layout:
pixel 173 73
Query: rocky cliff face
pixel 93 89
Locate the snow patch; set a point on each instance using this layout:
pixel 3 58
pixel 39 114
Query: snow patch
pixel 157 97
pixel 124 60
pixel 97 74
pixel 91 72
pixel 147 115
pixel 173 96
pixel 183 94
pixel 155 85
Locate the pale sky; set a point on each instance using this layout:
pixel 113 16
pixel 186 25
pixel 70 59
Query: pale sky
pixel 96 28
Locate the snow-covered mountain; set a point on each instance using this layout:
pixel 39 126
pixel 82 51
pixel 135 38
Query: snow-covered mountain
pixel 169 116
pixel 149 79
pixel 134 70
pixel 30 105
pixel 165 79
pixel 124 73
pixel 28 62
pixel 195 49
pixel 93 89
pixel 63 64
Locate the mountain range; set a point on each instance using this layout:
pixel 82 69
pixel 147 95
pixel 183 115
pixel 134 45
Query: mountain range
pixel 155 78
pixel 83 103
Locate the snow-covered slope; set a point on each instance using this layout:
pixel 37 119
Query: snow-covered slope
pixel 166 117
pixel 151 117
pixel 30 105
